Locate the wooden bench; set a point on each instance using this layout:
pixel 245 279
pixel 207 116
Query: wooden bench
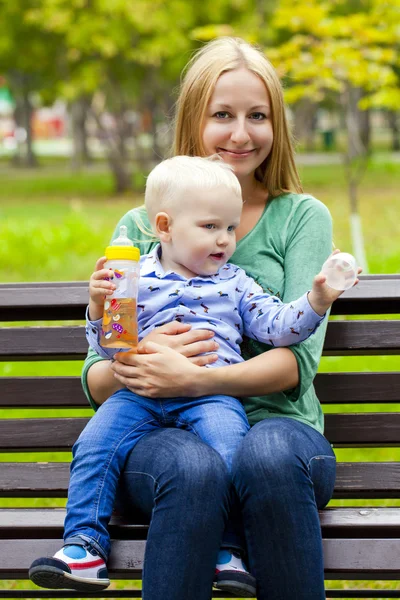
pixel 359 543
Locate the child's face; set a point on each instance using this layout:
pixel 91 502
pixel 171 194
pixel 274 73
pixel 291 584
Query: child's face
pixel 202 232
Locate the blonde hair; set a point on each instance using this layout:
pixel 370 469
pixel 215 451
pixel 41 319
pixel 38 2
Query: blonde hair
pixel 278 172
pixel 184 174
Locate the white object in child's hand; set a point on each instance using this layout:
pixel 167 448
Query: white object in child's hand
pixel 341 271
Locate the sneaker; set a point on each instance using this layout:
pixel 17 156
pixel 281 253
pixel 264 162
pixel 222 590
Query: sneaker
pixel 73 567
pixel 232 576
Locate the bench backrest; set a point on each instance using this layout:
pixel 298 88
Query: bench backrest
pixel 380 335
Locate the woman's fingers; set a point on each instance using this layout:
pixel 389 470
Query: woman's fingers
pixel 202 361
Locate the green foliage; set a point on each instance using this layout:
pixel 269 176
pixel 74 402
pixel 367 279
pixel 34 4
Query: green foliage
pixel 325 46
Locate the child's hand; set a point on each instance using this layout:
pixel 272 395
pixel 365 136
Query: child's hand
pixel 100 285
pixel 322 295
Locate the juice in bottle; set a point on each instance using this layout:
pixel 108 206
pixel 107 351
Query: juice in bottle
pixel 120 316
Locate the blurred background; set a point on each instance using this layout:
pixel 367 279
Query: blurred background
pixel 87 92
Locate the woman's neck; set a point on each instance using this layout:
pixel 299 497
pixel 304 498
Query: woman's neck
pixel 253 193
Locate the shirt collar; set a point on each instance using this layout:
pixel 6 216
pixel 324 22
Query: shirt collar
pixel 151 265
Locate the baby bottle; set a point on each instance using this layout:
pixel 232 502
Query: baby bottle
pixel 120 316
pixel 341 271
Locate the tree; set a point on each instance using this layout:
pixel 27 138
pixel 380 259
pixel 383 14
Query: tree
pixel 28 61
pixel 349 49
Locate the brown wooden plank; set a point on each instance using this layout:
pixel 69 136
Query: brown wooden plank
pixel 351 522
pixel 367 480
pixel 363 429
pixel 16 556
pixel 347 430
pixel 43 301
pixel 362 559
pixel 66 343
pixel 67 300
pixel 344 558
pixel 42 392
pixel 66 392
pixel 357 388
pixel 362 337
pixel 43 343
pixel 34 480
pixel 17 523
pixel 358 480
pixel 35 435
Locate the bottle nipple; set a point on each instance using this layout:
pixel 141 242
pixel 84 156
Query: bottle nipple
pixel 122 239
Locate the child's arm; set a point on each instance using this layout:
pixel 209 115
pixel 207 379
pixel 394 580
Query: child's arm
pixel 100 285
pixel 269 320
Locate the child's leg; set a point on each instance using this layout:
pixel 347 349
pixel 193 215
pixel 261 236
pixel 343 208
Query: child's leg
pixel 221 422
pixel 99 456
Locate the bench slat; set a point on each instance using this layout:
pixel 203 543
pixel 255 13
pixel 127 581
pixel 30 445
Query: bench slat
pixel 50 480
pixel 66 392
pixel 42 392
pixel 344 558
pixel 69 343
pixel 354 388
pixel 349 522
pixel 68 300
pixel 344 430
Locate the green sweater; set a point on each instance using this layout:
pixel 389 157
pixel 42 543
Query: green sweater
pixel 283 253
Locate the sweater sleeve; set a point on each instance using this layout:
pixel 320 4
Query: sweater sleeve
pixel 308 244
pixel 139 231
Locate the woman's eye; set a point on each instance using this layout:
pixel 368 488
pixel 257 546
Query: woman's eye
pixel 258 116
pixel 209 226
pixel 222 114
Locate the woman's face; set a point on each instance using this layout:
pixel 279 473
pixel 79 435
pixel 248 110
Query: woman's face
pixel 238 122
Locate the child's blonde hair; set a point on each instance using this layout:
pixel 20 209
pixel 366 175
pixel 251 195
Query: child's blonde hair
pixel 278 172
pixel 180 174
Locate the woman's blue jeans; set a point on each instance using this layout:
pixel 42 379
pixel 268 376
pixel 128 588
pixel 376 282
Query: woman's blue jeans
pixel 100 453
pixel 283 471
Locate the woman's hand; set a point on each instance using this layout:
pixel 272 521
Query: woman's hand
pixel 189 342
pixel 161 373
pixel 167 361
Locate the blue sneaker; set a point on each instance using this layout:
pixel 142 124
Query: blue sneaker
pixel 73 567
pixel 232 576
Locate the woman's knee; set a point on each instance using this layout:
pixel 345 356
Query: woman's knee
pixel 278 457
pixel 176 462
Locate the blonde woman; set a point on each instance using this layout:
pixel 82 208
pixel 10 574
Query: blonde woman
pixel 231 103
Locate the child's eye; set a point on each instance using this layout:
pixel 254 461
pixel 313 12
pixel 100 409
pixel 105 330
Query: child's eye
pixel 209 226
pixel 231 228
pixel 258 116
pixel 222 114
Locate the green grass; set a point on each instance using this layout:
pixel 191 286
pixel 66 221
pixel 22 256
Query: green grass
pixel 54 224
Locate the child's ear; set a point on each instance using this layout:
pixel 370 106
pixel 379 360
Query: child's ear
pixel 163 226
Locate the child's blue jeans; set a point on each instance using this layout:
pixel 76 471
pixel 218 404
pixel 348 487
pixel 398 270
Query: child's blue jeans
pixel 100 453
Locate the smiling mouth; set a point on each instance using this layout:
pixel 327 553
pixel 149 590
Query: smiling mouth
pixel 237 152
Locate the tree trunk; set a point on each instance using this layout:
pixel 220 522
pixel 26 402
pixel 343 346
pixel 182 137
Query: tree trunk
pixel 23 112
pixel 355 160
pixel 79 111
pixel 110 138
pixel 393 120
pixel 305 123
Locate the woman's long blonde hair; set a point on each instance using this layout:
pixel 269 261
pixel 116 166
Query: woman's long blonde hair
pixel 278 172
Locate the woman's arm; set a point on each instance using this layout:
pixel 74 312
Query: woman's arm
pixel 164 373
pixel 99 378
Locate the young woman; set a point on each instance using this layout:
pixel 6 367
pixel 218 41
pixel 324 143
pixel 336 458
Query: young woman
pixel 231 104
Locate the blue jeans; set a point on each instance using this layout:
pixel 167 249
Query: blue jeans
pixel 100 453
pixel 284 471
